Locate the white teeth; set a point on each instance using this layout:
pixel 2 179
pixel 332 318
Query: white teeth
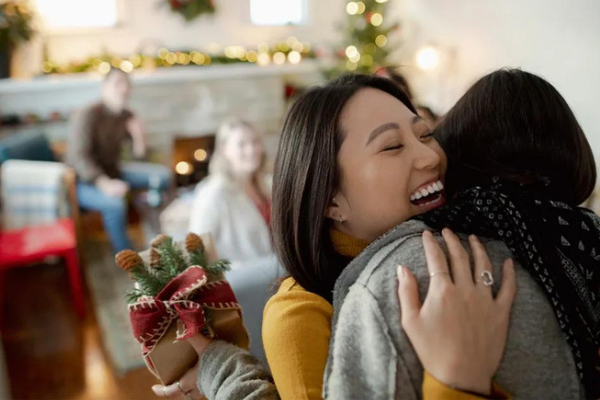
pixel 426 191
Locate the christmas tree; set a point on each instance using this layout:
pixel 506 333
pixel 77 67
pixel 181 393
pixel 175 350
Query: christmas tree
pixel 365 45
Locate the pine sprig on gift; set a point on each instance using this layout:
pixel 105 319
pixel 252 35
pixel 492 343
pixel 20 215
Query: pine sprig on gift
pixel 166 260
pixel 219 267
pixel 198 258
pixel 149 284
pixel 133 295
pixel 172 259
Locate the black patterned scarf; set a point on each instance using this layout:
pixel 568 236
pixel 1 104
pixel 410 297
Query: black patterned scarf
pixel 558 244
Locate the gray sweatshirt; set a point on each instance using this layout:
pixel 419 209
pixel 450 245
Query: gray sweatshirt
pixel 370 357
pixel 228 372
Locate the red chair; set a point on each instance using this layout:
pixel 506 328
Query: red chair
pixel 31 244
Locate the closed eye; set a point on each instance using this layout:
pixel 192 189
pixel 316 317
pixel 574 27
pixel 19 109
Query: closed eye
pixel 427 136
pixel 394 147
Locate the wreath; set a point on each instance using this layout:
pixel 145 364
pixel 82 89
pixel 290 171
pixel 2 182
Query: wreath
pixel 191 9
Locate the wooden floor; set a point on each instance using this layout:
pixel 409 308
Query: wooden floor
pixel 51 353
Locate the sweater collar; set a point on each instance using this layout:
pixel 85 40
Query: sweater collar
pixel 345 244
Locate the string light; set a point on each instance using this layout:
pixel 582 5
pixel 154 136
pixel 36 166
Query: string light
pixel 351 51
pixel 376 19
pixel 171 58
pixel 198 58
pixel 104 68
pixel 162 53
pixel 352 8
pixel 200 155
pixel 361 7
pixel 355 58
pixel 116 62
pixel 126 66
pixel 351 66
pixel 251 56
pixel 294 57
pixel 381 41
pixel 183 168
pixel 381 1
pixel 428 58
pixel 279 58
pixel 367 60
pixel 263 59
pixel 183 58
pixel 136 60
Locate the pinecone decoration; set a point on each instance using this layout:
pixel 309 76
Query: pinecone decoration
pixel 154 257
pixel 160 239
pixel 128 260
pixel 193 243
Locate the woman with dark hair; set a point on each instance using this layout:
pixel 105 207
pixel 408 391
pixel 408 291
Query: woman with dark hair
pixel 351 154
pixel 519 164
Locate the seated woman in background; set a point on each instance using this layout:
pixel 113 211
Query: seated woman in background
pixel 234 202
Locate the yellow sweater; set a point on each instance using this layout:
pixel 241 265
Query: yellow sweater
pixel 296 332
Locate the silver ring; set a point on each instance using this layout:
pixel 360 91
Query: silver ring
pixel 486 278
pixel 431 275
pixel 180 389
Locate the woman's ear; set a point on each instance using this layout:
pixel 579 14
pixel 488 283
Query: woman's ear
pixel 336 210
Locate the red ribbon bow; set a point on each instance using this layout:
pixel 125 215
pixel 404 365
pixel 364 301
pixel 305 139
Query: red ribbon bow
pixel 183 298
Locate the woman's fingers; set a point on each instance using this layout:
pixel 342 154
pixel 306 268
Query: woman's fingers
pixel 186 384
pixel 408 294
pixel 508 289
pixel 436 260
pixel 169 391
pixel 482 267
pixel 459 259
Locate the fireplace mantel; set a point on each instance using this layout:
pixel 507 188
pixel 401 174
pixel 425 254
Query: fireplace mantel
pixel 173 102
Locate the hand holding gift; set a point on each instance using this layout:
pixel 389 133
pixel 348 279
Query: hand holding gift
pixel 179 293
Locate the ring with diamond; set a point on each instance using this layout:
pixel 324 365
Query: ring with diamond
pixel 180 388
pixel 486 278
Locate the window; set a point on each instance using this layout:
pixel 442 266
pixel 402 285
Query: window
pixel 277 12
pixel 68 14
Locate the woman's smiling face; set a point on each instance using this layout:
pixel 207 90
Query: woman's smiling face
pixel 391 166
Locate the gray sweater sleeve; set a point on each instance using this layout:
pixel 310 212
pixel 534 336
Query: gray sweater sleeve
pixel 229 372
pixel 364 344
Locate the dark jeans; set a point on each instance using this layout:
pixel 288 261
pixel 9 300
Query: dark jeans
pixel 114 210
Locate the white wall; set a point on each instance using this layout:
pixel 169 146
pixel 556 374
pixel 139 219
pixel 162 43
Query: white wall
pixel 557 39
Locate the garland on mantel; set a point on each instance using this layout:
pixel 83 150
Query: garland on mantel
pixel 291 51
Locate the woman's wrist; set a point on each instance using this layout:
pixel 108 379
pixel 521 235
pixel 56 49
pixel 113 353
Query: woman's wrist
pixel 466 382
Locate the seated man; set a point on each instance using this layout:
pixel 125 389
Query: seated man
pixel 96 135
